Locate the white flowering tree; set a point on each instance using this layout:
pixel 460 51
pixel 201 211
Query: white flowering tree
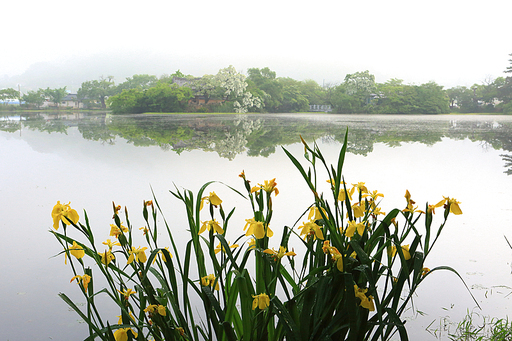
pixel 235 87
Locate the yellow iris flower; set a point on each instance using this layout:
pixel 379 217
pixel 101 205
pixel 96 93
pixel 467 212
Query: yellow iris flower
pixel 76 250
pixel 160 309
pixel 257 228
pixel 277 255
pixel 116 231
pixel 405 251
pixel 209 225
pixel 127 292
pixel 122 334
pixel 107 257
pixel 137 253
pixel 163 255
pixel 212 199
pixel 311 229
pixel 85 279
pixel 64 213
pixel 342 195
pixel 358 210
pixel 269 187
pixel 261 301
pixel 220 247
pixel 120 321
pixel 110 244
pixel 208 281
pixel 366 301
pixel 454 205
pixel 374 195
pixel 361 188
pixel 336 256
pixel 314 213
pixel 353 227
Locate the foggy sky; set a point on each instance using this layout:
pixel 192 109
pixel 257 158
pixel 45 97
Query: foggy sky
pixel 58 43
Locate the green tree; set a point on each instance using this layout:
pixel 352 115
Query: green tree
pixel 267 87
pixel 342 102
pixel 313 92
pixel 163 97
pixel 137 82
pixel 293 99
pixel 127 102
pixel 9 94
pixel 97 90
pixel 55 95
pixel 35 98
pixel 361 85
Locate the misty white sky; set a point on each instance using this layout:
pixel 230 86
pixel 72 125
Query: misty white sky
pixel 451 42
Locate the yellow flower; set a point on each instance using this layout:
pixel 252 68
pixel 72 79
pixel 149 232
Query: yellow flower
pixel 137 253
pixel 220 247
pixel 425 271
pixel 76 250
pixel 107 257
pixel 454 205
pixel 405 251
pixel 181 331
pixel 277 255
pixel 212 199
pixel 160 309
pixel 111 244
pixel 366 302
pixel 122 334
pixel 361 188
pixel 269 187
pixel 148 203
pixel 85 279
pixel 211 224
pixel 358 210
pixel 144 230
pixel 314 213
pixel 126 293
pixel 257 228
pixel 208 281
pixel 261 301
pixel 252 243
pixel 311 229
pixel 63 213
pixel 326 247
pixel 374 195
pixel 121 318
pixel 163 255
pixel 353 227
pixel 116 231
pixel 337 258
pixel 342 196
pixel 376 211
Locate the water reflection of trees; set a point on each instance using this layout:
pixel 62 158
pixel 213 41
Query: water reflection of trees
pixel 259 135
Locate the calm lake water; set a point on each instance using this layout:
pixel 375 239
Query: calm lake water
pixel 94 159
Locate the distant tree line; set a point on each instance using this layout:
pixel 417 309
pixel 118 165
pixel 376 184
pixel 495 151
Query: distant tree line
pixel 260 90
